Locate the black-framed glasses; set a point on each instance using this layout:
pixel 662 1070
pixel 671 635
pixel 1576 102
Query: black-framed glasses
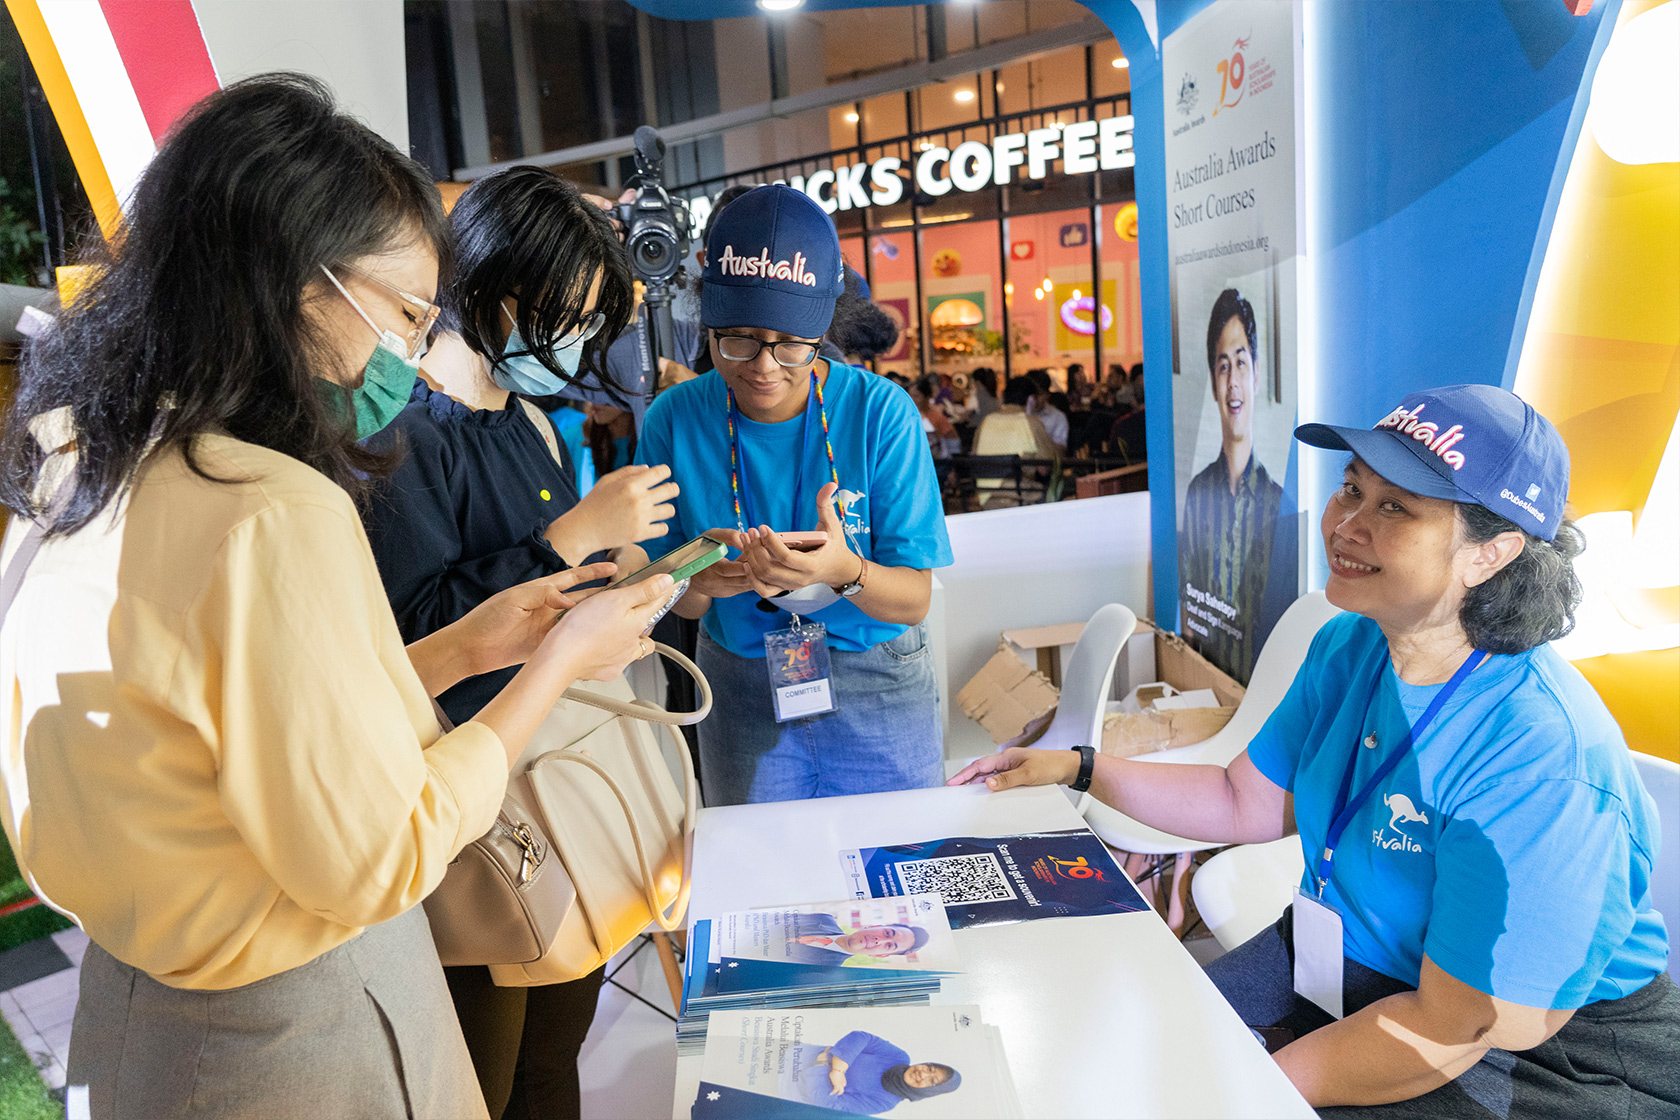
pixel 573 338
pixel 745 348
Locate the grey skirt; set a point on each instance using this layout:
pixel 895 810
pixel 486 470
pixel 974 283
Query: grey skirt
pixel 365 1031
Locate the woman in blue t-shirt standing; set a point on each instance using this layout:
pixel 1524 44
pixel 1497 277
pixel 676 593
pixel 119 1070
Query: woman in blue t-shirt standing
pixel 1477 896
pixel 819 658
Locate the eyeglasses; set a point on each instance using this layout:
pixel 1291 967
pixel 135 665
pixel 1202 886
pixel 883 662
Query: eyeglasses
pixel 421 313
pixel 575 338
pixel 744 348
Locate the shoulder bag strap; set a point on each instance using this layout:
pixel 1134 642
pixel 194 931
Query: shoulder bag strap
pixel 12 579
pixel 653 713
pixel 544 428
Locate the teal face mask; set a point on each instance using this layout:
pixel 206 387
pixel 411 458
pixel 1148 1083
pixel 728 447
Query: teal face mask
pixel 387 378
pixel 387 383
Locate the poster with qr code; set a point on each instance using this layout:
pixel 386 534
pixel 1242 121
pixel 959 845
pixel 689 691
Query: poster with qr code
pixel 991 880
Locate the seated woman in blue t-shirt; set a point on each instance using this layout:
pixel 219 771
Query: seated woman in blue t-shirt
pixel 1478 843
pixel 777 439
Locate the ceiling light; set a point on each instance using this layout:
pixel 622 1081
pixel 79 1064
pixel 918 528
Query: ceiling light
pixel 1038 293
pixel 851 118
pixel 1121 63
pixel 780 5
pixel 1008 287
pixel 925 146
pixel 1076 293
pixel 965 95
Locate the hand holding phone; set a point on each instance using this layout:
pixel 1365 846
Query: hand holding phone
pixel 803 542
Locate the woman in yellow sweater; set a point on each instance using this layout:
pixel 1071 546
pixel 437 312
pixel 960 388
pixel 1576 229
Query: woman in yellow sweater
pixel 217 754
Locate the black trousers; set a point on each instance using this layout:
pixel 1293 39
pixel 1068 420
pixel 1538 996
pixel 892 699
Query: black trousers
pixel 524 1042
pixel 1619 1057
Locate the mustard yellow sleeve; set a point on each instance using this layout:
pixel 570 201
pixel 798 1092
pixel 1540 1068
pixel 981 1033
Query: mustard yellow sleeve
pixel 330 762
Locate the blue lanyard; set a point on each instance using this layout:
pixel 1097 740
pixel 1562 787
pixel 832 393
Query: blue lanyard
pixel 1345 809
pixel 738 462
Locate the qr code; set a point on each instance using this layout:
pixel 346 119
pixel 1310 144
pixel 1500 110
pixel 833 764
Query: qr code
pixel 957 879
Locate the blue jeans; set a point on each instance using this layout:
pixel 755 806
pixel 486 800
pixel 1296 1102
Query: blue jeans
pixel 883 735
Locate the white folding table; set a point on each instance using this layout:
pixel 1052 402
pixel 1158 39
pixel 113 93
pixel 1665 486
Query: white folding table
pixel 1101 1017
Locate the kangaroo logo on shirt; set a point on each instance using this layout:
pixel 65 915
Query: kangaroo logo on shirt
pixel 1401 811
pixel 856 519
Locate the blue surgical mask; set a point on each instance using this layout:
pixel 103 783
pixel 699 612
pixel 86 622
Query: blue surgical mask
pixel 520 372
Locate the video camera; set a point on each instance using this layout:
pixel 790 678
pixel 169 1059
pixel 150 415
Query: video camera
pixel 656 228
pixel 656 237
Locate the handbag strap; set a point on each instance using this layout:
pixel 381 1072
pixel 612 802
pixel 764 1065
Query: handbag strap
pixel 544 428
pixel 652 713
pixel 666 918
pixel 11 581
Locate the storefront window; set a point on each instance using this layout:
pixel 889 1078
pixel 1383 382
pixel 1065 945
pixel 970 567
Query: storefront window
pixel 1053 297
pixel 962 296
pixel 892 272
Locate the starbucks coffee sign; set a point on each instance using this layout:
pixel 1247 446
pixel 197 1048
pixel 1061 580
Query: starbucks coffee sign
pixel 1082 148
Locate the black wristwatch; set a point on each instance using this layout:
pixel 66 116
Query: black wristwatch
pixel 1087 763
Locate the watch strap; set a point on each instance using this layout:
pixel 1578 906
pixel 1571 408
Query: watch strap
pixel 1087 763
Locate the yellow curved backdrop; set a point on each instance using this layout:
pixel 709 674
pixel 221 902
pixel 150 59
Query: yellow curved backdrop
pixel 1602 361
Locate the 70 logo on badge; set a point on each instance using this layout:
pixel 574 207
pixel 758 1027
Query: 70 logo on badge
pixel 798 662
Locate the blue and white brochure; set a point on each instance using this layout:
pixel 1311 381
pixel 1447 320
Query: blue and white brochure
pixel 992 880
pixel 847 943
pixel 923 1062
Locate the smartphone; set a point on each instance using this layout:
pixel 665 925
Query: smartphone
pixel 680 563
pixel 804 542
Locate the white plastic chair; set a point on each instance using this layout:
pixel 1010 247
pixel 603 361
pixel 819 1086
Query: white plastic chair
pixel 1280 659
pixel 1662 781
pixel 1087 679
pixel 1240 892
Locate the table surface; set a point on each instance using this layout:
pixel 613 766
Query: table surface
pixel 1101 1017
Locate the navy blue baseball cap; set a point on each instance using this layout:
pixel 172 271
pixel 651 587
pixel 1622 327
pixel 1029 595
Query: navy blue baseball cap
pixel 773 263
pixel 1466 443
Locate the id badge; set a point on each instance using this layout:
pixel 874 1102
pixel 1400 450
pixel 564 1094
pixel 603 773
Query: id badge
pixel 798 660
pixel 1318 953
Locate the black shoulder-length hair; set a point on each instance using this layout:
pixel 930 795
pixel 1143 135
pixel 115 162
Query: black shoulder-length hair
pixel 526 233
pixel 1530 601
pixel 200 300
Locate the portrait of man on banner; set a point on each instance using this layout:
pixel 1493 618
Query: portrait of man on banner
pixel 1234 532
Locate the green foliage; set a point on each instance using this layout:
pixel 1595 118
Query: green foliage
pixel 23 1095
pixel 20 241
pixel 25 925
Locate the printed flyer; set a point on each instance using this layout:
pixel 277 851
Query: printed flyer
pixel 788 947
pixel 921 1062
pixel 991 880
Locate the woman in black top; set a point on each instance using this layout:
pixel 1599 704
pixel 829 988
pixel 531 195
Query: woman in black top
pixel 486 497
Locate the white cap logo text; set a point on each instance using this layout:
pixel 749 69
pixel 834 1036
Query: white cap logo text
pixel 1427 433
pixel 733 264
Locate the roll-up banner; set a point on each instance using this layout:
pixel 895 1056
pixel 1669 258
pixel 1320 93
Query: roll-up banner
pixel 1234 237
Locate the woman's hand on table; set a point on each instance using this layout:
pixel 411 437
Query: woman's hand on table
pixel 506 629
pixel 1020 766
pixel 774 567
pixel 628 505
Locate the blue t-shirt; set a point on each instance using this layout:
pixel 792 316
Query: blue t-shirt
pixel 1513 846
pixel 893 506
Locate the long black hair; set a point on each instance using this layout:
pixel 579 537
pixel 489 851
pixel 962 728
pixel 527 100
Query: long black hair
pixel 526 233
pixel 1531 600
pixel 200 300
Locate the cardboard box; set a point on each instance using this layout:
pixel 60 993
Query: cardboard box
pixel 1008 693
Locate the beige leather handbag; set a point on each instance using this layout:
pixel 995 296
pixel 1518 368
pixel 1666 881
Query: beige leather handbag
pixel 596 779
